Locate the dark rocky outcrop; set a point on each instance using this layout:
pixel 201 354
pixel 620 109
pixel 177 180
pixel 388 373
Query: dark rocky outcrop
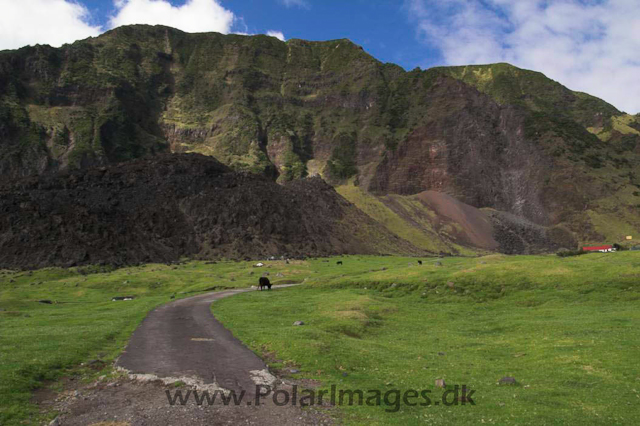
pixel 516 235
pixel 169 206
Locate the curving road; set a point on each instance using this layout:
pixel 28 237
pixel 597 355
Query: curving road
pixel 182 340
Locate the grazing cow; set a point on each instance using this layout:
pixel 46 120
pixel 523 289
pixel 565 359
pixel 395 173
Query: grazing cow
pixel 419 262
pixel 264 282
pixel 339 262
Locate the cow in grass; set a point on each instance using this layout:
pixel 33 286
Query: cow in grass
pixel 264 282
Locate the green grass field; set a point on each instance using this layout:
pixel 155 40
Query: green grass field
pixel 566 329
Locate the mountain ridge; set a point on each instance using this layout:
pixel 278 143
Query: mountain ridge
pixel 492 136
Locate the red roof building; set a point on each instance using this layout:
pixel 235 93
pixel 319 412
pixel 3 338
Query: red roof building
pixel 602 249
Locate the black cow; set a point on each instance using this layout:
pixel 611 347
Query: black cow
pixel 339 262
pixel 419 262
pixel 264 282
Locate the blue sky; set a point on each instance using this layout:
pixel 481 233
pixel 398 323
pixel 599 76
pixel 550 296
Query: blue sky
pixel 587 45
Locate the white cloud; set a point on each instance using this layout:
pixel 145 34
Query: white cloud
pixel 296 3
pixel 193 16
pixel 586 45
pixel 54 22
pixel 276 34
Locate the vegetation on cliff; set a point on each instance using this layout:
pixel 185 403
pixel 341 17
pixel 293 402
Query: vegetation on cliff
pixel 492 136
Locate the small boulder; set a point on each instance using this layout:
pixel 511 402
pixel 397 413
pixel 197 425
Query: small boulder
pixel 451 285
pixel 507 381
pixel 298 323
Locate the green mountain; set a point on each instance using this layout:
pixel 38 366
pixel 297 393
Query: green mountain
pixel 508 141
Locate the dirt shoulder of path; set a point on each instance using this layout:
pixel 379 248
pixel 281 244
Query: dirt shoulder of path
pixel 129 402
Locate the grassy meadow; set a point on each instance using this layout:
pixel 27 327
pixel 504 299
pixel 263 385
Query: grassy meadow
pixel 566 329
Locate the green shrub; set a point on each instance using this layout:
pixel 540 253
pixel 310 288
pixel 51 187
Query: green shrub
pixel 568 253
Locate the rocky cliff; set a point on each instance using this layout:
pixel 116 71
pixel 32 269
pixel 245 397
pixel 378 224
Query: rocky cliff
pixel 490 136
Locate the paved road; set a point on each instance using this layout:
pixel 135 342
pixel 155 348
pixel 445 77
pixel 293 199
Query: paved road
pixel 183 339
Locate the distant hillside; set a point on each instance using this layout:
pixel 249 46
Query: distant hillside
pixel 492 137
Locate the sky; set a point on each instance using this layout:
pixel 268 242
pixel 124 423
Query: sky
pixel 588 45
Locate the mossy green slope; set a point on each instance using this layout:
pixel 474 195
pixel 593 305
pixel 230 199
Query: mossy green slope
pixel 410 220
pixel 512 85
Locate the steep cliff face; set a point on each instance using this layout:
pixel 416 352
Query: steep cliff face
pixel 78 106
pixel 490 136
pixel 473 149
